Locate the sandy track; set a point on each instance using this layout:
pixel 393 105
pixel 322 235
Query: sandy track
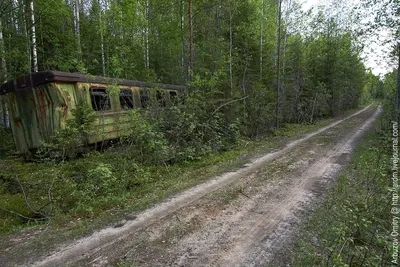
pixel 204 227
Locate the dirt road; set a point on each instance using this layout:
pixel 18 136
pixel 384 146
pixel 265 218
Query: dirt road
pixel 242 218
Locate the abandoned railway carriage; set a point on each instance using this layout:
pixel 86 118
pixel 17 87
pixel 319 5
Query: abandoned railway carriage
pixel 41 103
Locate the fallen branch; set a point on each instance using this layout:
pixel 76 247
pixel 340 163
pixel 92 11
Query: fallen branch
pixel 227 103
pixel 44 216
pixel 242 193
pixel 25 217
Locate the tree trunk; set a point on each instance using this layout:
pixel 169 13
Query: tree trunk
pixel 2 56
pixel 191 44
pixel 230 51
pixel 261 40
pixel 217 33
pixel 14 17
pixel 183 71
pixel 25 16
pixel 283 84
pixel 34 47
pixel 103 65
pixel 278 66
pixel 147 63
pixel 77 29
pixel 3 78
pixel 244 89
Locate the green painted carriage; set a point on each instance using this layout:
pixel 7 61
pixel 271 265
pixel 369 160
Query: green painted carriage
pixel 41 103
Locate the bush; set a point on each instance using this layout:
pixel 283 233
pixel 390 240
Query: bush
pixel 146 144
pixel 66 141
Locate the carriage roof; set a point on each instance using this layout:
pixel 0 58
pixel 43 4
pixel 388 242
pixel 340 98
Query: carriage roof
pixel 33 79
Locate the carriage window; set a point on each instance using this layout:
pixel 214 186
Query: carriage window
pixel 144 98
pixel 173 96
pixel 160 99
pixel 100 99
pixel 126 99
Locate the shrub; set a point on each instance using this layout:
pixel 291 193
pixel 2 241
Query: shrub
pixel 146 144
pixel 67 140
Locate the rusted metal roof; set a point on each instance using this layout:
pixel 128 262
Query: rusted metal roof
pixel 33 79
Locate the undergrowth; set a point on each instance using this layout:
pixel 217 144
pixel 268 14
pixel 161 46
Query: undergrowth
pixel 120 179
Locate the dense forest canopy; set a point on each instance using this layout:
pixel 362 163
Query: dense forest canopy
pixel 271 59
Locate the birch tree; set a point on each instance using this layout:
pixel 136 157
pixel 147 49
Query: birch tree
pixel 261 37
pixel 278 65
pixel 147 43
pixel 2 55
pixel 34 44
pixel 103 64
pixel 191 43
pixel 4 77
pixel 76 9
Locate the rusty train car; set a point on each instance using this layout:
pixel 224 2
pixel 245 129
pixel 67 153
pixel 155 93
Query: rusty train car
pixel 40 103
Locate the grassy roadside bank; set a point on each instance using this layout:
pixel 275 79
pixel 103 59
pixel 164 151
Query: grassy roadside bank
pixel 57 195
pixel 352 226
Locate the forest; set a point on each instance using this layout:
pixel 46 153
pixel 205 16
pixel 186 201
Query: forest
pixel 271 60
pixel 258 73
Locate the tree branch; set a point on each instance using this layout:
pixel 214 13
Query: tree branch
pixel 227 103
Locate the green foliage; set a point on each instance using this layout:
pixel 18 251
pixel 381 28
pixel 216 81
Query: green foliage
pixel 235 55
pixel 146 144
pixel 260 111
pixel 7 143
pixel 67 141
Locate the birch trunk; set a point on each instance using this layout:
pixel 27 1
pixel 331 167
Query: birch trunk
pixel 14 16
pixel 182 41
pixel 278 66
pixel 27 36
pixel 283 84
pixel 191 45
pixel 2 55
pixel 103 65
pixel 261 40
pixel 4 78
pixel 230 51
pixel 147 62
pixel 34 47
pixel 77 28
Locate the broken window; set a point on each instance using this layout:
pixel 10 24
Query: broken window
pixel 126 99
pixel 160 98
pixel 144 98
pixel 173 96
pixel 100 99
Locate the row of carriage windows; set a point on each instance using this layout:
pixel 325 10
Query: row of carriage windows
pixel 101 100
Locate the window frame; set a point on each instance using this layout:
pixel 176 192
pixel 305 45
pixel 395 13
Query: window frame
pixel 145 97
pixel 161 99
pixel 121 96
pixel 96 91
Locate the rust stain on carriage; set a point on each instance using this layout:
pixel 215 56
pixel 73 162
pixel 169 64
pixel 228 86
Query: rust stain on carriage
pixel 42 106
pixel 40 103
pixel 17 122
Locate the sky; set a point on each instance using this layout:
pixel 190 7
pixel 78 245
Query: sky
pixel 307 4
pixel 375 53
